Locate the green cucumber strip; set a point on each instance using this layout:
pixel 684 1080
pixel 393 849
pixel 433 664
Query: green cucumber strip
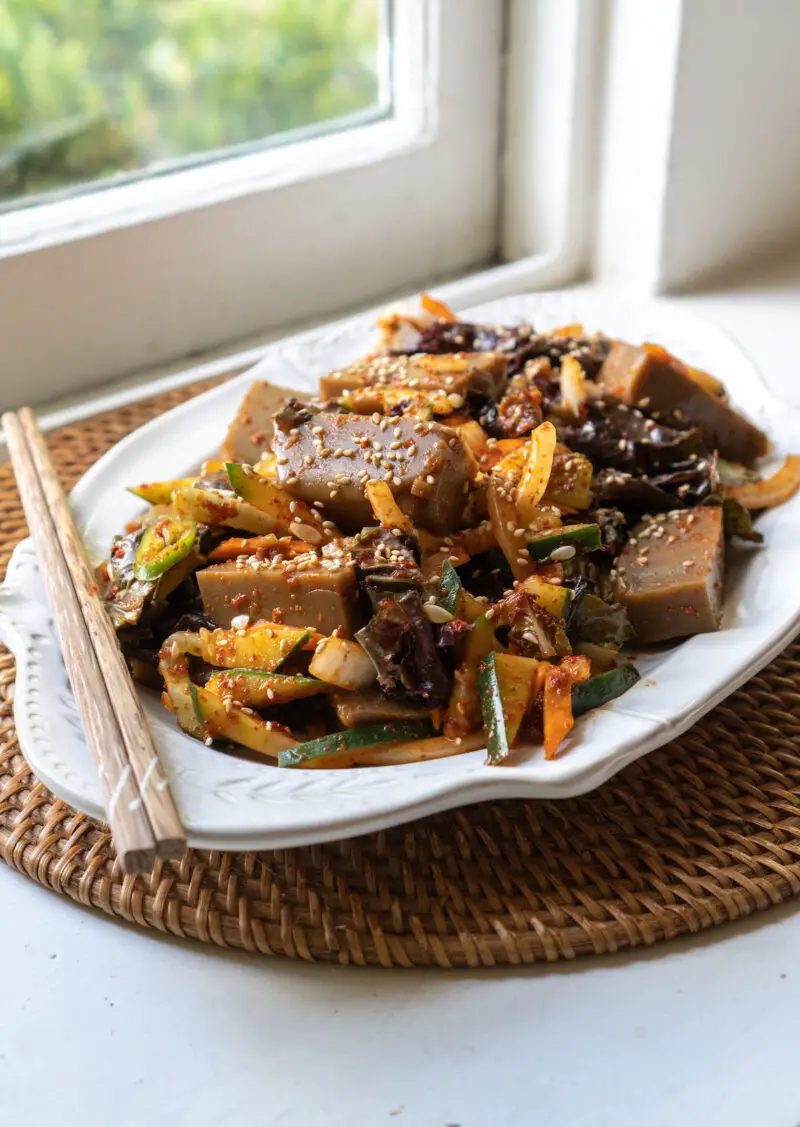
pixel 297 678
pixel 237 478
pixel 492 708
pixel 198 711
pixel 599 690
pixel 354 739
pixel 586 536
pixel 154 555
pixel 283 658
pixel 451 584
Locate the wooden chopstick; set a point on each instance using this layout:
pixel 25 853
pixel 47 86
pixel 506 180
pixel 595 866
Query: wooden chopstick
pixel 141 811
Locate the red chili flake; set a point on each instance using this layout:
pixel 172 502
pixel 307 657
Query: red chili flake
pixel 239 601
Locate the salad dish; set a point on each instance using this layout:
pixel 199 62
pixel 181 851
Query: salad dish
pixel 454 543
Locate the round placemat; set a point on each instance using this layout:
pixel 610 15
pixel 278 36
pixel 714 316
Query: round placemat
pixel 703 831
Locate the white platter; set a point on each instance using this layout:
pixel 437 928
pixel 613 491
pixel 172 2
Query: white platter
pixel 227 803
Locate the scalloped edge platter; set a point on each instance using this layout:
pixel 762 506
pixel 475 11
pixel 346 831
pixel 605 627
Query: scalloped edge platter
pixel 232 804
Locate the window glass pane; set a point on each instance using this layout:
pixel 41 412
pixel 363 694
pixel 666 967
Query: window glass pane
pixel 96 88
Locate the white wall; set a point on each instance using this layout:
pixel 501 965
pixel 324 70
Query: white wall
pixel 733 187
pixel 700 169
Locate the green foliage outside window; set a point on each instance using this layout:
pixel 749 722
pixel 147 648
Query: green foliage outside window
pixel 93 87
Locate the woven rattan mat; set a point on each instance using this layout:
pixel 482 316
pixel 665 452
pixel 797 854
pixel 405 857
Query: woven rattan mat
pixel 703 831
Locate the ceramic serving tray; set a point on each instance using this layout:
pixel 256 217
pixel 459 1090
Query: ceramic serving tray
pixel 228 803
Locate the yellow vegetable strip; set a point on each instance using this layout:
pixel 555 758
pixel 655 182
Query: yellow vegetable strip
pixel 384 507
pixel 536 472
pixel 774 491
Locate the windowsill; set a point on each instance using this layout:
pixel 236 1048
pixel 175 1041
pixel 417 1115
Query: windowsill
pixel 756 307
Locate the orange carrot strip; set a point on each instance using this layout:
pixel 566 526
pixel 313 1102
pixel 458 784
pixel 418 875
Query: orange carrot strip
pixel 558 718
pixel 437 308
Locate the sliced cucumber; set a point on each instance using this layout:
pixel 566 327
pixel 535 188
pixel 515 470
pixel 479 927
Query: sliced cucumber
pixel 603 688
pixel 249 487
pixel 276 503
pixel 463 708
pixel 451 585
pixel 182 703
pixel 263 648
pixel 160 492
pixel 216 507
pixel 260 690
pixel 456 599
pixel 233 723
pixel 585 536
pixel 554 599
pixel 355 739
pixel 505 682
pixel 163 545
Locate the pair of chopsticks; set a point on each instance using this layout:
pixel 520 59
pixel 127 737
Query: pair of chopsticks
pixel 141 811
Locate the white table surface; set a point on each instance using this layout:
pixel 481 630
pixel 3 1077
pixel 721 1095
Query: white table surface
pixel 108 1024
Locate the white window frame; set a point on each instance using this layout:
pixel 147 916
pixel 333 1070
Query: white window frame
pixel 113 283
